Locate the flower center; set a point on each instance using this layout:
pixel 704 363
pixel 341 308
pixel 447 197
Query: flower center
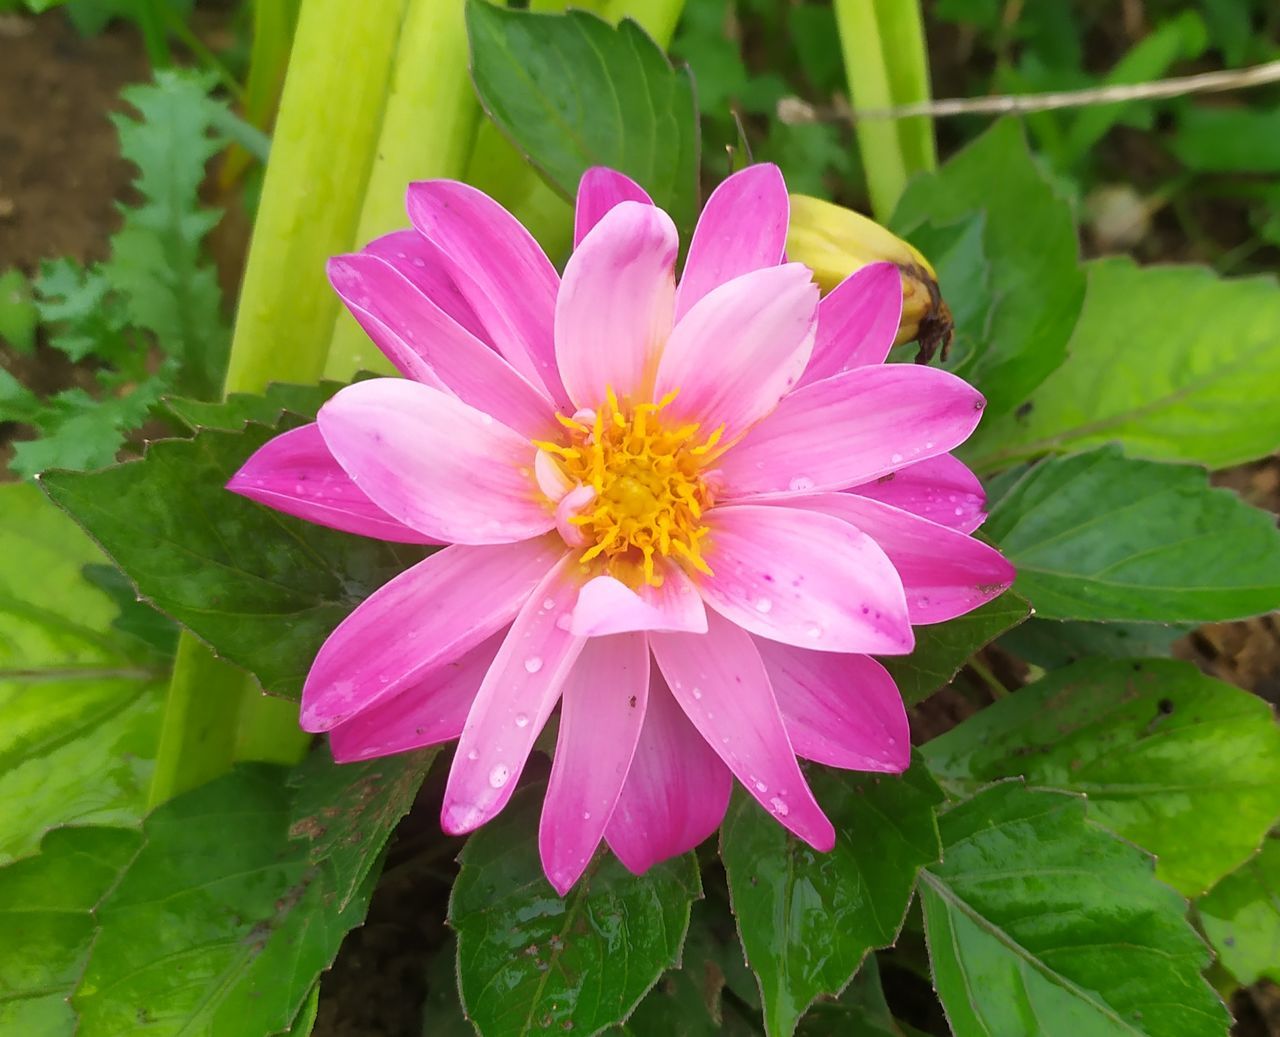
pixel 641 491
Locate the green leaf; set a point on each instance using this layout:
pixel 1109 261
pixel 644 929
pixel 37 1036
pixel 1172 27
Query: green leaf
pixel 1181 764
pixel 808 919
pixel 1099 536
pixel 18 314
pixel 1241 917
pixel 1163 361
pixel 624 106
pixel 1039 922
pixel 861 1011
pixel 1217 139
pixel 239 408
pixel 1029 239
pixel 81 708
pixel 82 316
pixel 263 589
pixel 942 649
pixel 1051 643
pixel 530 960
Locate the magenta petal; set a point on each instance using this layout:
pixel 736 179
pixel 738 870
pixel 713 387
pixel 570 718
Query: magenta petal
pixel 945 573
pixel 427 269
pixel 518 694
pixel 427 713
pixel 743 227
pixel 722 686
pixel 428 345
pixel 426 617
pixel 851 429
pixel 603 708
pixel 676 791
pixel 501 271
pixel 841 710
pixel 599 190
pixel 295 473
pixel 608 606
pixel 857 322
pixel 805 579
pixel 613 314
pixel 435 463
pixel 941 489
pixel 740 349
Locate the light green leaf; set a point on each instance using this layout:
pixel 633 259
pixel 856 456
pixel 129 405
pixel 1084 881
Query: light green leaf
pixel 1183 765
pixel 18 314
pixel 1241 917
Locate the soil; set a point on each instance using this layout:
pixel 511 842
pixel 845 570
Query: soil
pixel 60 174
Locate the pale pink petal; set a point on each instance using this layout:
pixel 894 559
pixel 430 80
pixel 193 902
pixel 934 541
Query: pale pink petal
pixel 426 713
pixel 428 616
pixel 428 345
pixel 804 579
pixel 676 791
pixel 941 489
pixel 428 270
pixel 857 322
pixel 604 699
pixel 743 227
pixel 599 190
pixel 613 313
pixel 851 429
pixel 945 573
pixel 740 349
pixel 295 473
pixel 839 709
pixel 501 271
pixel 608 606
pixel 518 694
pixel 435 463
pixel 722 686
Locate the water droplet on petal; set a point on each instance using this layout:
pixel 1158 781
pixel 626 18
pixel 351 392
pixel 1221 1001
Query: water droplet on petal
pixel 814 631
pixel 533 664
pixel 779 806
pixel 522 720
pixel 499 775
pixel 801 484
pixel 896 459
pixel 586 815
pixel 563 621
pixel 473 755
pixel 486 419
pixel 761 787
pixel 548 604
pixel 764 605
pixel 697 693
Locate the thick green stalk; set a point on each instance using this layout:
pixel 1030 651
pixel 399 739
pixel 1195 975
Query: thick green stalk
pixel 886 63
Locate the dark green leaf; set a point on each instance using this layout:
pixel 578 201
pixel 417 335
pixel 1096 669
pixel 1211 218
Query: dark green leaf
pixel 624 106
pixel 150 631
pixel 1050 643
pixel 1041 923
pixel 530 961
pixel 1183 765
pixel 808 919
pixel 1217 139
pixel 1241 917
pixel 861 1011
pixel 1099 536
pixel 239 409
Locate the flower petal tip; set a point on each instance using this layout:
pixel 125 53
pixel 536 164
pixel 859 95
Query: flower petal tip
pixel 460 818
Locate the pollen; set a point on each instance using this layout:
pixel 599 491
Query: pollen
pixel 650 490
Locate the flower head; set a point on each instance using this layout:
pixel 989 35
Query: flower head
pixel 686 514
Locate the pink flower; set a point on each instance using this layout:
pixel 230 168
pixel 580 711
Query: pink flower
pixel 689 514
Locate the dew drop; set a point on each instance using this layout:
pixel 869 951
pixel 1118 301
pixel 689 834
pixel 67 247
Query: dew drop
pixel 419 261
pixel 586 815
pixel 533 664
pixel 896 459
pixel 814 631
pixel 473 755
pixel 779 806
pixel 522 720
pixel 801 483
pixel 761 787
pixel 499 775
pixel 959 511
pixel 548 604
pixel 486 419
pixel 697 693
pixel 764 605
pixel 563 621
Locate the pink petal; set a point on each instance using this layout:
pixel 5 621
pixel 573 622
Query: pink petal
pixel 676 791
pixel 841 710
pixel 501 271
pixel 428 345
pixel 295 473
pixel 851 429
pixel 426 617
pixel 739 349
pixel 426 713
pixel 945 573
pixel 518 694
pixel 857 322
pixel 613 313
pixel 603 710
pixel 804 579
pixel 435 463
pixel 427 269
pixel 608 606
pixel 599 190
pixel 941 489
pixel 722 686
pixel 743 227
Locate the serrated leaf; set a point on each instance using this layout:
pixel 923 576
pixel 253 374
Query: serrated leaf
pixel 624 107
pixel 83 317
pixel 1100 536
pixel 530 961
pixel 941 649
pixel 808 919
pixel 1185 766
pixel 1241 917
pixel 239 409
pixel 861 1011
pixel 1162 361
pixel 1040 922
